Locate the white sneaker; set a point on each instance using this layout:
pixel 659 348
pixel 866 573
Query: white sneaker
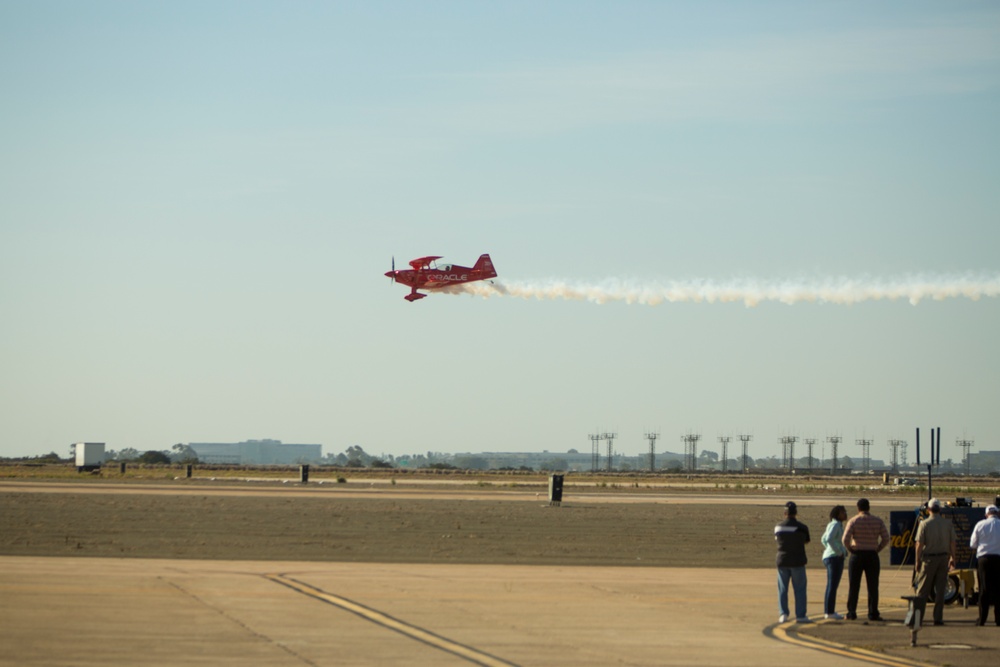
pixel 803 619
pixel 783 618
pixel 833 617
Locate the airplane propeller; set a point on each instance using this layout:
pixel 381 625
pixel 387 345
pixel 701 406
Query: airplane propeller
pixel 392 274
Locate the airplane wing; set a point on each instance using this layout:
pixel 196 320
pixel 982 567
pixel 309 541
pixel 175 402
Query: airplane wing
pixel 423 262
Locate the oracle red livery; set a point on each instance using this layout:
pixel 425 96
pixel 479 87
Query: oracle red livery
pixel 428 274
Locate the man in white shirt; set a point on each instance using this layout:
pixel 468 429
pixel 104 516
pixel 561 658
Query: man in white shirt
pixel 986 541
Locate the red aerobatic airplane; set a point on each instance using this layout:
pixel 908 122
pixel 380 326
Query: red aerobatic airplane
pixel 428 274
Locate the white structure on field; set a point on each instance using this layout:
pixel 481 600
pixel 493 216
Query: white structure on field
pixel 256 452
pixel 89 454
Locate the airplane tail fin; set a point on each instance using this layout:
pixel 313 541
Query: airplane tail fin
pixel 485 265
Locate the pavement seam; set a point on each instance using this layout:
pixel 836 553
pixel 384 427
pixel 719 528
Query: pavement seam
pixel 233 619
pixel 787 633
pixel 427 637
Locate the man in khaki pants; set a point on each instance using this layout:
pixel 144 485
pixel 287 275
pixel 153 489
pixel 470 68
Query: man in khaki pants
pixel 935 555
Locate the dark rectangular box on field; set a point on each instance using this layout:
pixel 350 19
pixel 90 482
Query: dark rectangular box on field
pixel 555 488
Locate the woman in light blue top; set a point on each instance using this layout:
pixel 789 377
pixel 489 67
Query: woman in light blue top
pixel 833 557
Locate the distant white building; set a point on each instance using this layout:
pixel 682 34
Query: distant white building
pixel 256 452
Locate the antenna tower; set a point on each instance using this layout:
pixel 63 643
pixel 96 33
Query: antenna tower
pixel 691 450
pixel 788 451
pixel 894 447
pixel 724 439
pixel 745 439
pixel 595 451
pixel 610 437
pixel 652 436
pixel 810 442
pixel 966 445
pixel 866 461
pixel 834 440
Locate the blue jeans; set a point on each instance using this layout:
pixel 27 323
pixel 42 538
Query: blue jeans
pixel 834 571
pixel 798 578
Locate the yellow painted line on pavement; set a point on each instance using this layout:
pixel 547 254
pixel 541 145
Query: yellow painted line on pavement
pixel 781 632
pixel 425 636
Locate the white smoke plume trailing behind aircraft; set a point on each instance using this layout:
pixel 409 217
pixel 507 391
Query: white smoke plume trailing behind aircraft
pixel 749 291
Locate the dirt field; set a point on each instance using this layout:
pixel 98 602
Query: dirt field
pixel 419 524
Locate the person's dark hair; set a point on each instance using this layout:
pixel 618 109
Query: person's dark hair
pixel 837 509
pixel 863 505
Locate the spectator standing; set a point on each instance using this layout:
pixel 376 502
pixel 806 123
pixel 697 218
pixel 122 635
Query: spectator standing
pixel 834 553
pixel 792 537
pixel 934 556
pixel 986 541
pixel 865 536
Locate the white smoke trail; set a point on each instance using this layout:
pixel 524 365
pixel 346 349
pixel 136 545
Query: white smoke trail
pixel 841 291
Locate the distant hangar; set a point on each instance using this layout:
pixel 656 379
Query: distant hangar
pixel 256 452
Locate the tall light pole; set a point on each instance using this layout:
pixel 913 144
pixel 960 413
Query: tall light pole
pixel 652 436
pixel 745 438
pixel 834 440
pixel 691 450
pixel 724 439
pixel 610 437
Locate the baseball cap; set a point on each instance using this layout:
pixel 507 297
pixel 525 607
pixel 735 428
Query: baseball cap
pixel 791 508
pixel 992 509
pixel 934 503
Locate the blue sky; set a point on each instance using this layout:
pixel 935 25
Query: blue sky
pixel 200 199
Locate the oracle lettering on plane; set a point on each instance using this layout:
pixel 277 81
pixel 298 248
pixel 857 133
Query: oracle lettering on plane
pixel 441 277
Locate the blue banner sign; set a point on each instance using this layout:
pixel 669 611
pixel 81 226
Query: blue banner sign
pixel 903 528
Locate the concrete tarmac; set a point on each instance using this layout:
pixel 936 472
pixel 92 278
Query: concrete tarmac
pixel 101 611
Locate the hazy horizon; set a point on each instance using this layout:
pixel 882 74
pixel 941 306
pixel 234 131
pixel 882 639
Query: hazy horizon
pixel 776 218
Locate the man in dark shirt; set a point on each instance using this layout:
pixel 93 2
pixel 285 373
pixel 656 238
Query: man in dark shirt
pixel 792 537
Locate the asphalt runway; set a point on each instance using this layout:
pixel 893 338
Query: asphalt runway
pixel 75 610
pixel 100 611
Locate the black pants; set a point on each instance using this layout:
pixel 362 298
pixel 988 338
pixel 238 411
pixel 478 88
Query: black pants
pixel 868 563
pixel 989 588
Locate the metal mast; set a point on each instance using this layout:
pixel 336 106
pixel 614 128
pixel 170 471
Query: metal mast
pixel 595 451
pixel 966 445
pixel 894 447
pixel 809 447
pixel 691 450
pixel 724 439
pixel 834 440
pixel 652 436
pixel 788 451
pixel 865 444
pixel 610 437
pixel 745 439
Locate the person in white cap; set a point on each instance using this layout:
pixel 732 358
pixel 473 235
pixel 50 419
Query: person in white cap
pixel 986 541
pixel 935 555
